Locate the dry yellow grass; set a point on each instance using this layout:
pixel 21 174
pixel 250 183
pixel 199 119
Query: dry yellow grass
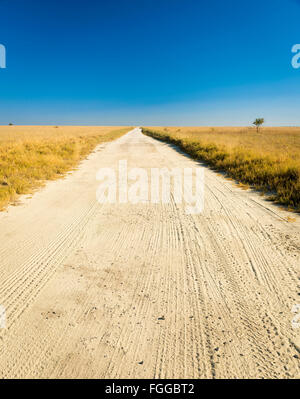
pixel 268 160
pixel 29 155
pixel 283 142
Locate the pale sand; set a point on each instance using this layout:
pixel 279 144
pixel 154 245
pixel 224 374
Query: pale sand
pixel 146 291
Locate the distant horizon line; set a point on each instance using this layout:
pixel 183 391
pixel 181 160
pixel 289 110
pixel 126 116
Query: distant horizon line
pixel 147 125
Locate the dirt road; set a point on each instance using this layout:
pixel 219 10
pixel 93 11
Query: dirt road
pixel 122 290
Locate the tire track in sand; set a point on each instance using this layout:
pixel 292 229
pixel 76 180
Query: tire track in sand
pixel 145 290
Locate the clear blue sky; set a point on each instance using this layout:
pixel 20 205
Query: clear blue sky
pixel 149 62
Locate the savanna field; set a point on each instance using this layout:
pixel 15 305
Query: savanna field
pixel 29 155
pixel 129 290
pixel 268 160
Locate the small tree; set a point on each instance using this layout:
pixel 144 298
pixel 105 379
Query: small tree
pixel 258 122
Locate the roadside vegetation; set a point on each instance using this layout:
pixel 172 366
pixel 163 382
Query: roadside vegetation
pixel 267 159
pixel 29 155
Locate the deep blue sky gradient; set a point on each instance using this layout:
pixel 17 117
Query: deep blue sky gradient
pixel 149 62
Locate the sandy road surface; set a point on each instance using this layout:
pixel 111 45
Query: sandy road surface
pixel 145 290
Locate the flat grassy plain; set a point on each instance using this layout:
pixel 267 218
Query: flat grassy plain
pixel 29 155
pixel 268 160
